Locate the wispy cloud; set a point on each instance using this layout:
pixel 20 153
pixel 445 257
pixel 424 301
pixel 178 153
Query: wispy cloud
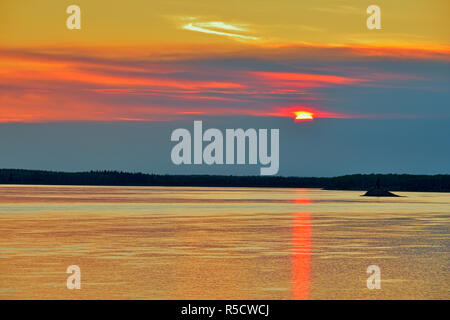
pixel 218 28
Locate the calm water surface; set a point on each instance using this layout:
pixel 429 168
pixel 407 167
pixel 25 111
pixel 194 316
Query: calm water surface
pixel 221 243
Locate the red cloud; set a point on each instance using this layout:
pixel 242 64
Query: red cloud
pixel 58 86
pixel 308 78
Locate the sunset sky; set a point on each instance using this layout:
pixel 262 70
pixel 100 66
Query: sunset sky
pixel 141 67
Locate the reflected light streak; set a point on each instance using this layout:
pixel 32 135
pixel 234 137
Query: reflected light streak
pixel 301 251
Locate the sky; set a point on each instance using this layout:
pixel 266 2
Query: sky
pixel 108 96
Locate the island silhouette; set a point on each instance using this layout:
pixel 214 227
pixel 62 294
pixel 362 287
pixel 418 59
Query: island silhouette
pixel 379 192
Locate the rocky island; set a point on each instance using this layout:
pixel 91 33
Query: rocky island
pixel 379 192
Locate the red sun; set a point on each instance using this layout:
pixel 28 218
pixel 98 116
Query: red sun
pixel 304 116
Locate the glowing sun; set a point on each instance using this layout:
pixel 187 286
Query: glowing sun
pixel 304 115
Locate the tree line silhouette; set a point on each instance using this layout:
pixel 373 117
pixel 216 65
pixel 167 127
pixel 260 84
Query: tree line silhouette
pixel 395 182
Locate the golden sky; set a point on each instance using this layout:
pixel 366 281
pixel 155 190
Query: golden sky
pixel 164 59
pixel 238 62
pixel 143 22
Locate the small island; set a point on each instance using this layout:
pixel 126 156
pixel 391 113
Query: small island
pixel 379 192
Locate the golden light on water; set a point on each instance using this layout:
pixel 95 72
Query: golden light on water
pixel 220 243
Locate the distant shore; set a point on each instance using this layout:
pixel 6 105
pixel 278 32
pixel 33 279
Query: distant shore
pixel 394 182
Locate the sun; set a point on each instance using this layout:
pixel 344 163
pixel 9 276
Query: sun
pixel 303 115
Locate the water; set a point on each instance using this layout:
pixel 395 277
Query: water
pixel 221 243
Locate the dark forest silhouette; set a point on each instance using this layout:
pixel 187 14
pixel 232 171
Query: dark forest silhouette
pixel 395 182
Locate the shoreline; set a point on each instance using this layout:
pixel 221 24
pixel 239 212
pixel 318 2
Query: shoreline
pixel 355 182
pixel 162 186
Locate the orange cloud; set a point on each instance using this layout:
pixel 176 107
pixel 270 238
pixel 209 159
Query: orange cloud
pixel 308 78
pixel 60 85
